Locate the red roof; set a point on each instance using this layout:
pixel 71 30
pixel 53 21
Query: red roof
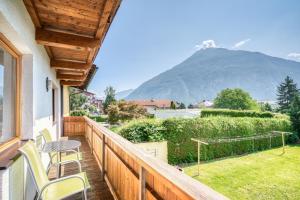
pixel 159 103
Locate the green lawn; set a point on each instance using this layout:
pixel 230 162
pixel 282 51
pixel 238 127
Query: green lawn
pixel 263 175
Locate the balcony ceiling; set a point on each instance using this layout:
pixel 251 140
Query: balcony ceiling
pixel 72 32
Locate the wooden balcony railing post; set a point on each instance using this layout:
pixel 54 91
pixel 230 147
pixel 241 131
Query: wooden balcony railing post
pixel 92 141
pixel 142 184
pixel 103 157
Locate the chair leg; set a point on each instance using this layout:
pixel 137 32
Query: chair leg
pixel 84 193
pixel 80 170
pixel 48 168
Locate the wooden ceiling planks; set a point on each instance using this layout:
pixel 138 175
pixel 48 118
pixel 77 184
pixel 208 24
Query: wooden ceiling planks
pixel 69 54
pixel 72 32
pixel 67 65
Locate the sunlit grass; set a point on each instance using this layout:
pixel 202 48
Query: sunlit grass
pixel 263 175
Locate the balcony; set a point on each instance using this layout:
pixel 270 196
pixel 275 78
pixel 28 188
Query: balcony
pixel 118 170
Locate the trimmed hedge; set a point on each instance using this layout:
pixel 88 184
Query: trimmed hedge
pixel 235 113
pixel 79 113
pixel 100 118
pixel 178 133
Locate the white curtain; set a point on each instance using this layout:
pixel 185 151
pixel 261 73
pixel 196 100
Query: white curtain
pixel 7 93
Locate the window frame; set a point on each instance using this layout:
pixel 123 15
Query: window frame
pixel 10 48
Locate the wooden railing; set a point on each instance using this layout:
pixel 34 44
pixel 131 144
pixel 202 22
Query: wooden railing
pixel 130 172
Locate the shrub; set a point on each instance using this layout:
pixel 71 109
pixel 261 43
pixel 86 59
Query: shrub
pixel 100 118
pixel 79 113
pixel 294 138
pixel 295 114
pixel 235 113
pixel 178 133
pixel 146 130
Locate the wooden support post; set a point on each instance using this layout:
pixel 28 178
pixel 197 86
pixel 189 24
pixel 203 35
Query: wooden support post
pixel 142 184
pixel 91 139
pixel 199 142
pixel 199 146
pixel 270 141
pixel 253 144
pixel 103 158
pixel 283 142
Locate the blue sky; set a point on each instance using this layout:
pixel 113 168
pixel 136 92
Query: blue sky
pixel 148 37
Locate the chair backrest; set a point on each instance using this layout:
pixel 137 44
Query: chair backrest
pixel 48 138
pixel 39 142
pixel 30 152
pixel 46 134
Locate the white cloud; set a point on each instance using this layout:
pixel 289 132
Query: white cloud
pixel 294 55
pixel 241 43
pixel 206 44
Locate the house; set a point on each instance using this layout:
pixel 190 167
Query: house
pixel 153 104
pixel 92 100
pixel 206 104
pixel 45 47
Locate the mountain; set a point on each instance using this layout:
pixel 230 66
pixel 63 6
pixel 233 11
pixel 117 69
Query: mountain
pixel 123 94
pixel 208 71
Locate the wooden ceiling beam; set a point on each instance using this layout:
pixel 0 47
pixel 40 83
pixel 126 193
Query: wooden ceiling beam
pixel 105 18
pixel 71 83
pixel 61 71
pixel 68 65
pixel 31 8
pixel 70 77
pixel 64 40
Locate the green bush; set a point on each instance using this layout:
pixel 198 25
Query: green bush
pixel 145 130
pixel 100 118
pixel 235 113
pixel 79 113
pixel 294 138
pixel 178 133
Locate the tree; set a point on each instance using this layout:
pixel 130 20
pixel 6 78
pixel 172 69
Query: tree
pixel 286 92
pixel 181 106
pixel 190 106
pixel 110 94
pixel 173 105
pixel 113 113
pixel 295 113
pixel 77 100
pixel 266 107
pixel 125 111
pixel 237 99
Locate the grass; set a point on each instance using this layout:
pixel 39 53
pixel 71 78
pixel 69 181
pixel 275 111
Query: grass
pixel 263 175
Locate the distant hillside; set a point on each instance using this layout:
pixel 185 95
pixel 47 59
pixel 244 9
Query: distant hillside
pixel 122 94
pixel 208 71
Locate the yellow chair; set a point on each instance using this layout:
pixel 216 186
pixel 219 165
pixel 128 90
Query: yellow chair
pixel 56 189
pixel 76 156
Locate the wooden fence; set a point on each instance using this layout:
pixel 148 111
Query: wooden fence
pixel 130 172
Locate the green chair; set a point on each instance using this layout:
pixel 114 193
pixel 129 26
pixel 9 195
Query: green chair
pixel 56 189
pixel 65 159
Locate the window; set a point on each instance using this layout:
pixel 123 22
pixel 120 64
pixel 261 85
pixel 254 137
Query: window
pixel 8 66
pixel 9 88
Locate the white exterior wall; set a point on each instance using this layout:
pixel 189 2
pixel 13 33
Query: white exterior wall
pixel 16 25
pixel 157 149
pixel 36 102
